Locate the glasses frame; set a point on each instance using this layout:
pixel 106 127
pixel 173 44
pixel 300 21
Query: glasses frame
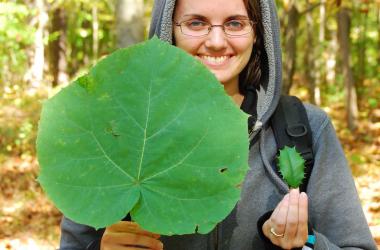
pixel 252 24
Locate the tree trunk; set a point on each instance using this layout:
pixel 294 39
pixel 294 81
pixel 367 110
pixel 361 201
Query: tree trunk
pixel 290 47
pixel 58 48
pixel 35 73
pixel 343 20
pixel 320 63
pixel 332 58
pixel 309 54
pixel 362 59
pixel 129 22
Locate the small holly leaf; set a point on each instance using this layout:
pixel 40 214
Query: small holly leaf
pixel 292 166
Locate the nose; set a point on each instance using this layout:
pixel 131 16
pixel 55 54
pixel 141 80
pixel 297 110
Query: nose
pixel 216 39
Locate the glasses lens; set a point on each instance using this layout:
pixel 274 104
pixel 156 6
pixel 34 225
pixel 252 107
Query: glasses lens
pixel 238 27
pixel 195 28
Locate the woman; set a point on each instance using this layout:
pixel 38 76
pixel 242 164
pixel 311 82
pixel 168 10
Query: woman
pixel 238 40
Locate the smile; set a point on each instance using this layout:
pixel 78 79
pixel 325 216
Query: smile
pixel 214 60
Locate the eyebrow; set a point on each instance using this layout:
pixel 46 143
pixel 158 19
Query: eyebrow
pixel 195 15
pixel 228 18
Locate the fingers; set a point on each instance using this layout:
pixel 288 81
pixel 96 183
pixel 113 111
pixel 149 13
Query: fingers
pixel 131 227
pixel 292 216
pixel 123 226
pixel 118 247
pixel 131 239
pixel 278 218
pixel 277 209
pixel 127 235
pixel 288 225
pixel 303 218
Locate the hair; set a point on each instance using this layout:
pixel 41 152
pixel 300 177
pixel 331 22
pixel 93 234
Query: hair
pixel 255 72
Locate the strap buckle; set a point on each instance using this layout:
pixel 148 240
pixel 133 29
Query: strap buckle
pixel 296 130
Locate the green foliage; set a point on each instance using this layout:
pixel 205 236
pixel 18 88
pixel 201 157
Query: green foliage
pixel 365 28
pixel 144 132
pixel 292 166
pixel 15 36
pixel 19 114
pixel 373 103
pixel 80 32
pixel 357 159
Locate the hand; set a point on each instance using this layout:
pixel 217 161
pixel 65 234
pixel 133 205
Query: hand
pixel 127 235
pixel 288 225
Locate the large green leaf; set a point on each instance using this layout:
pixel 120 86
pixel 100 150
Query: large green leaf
pixel 292 166
pixel 150 131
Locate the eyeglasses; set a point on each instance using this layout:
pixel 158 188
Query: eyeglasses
pixel 232 28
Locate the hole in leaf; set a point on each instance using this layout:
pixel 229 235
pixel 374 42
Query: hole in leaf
pixel 222 170
pixel 196 228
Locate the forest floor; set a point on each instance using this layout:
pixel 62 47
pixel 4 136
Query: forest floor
pixel 29 220
pixel 362 149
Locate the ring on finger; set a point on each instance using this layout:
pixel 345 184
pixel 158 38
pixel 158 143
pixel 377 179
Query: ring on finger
pixel 276 234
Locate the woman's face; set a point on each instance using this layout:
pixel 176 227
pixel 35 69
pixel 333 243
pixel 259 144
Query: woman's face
pixel 225 56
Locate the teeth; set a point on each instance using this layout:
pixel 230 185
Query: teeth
pixel 215 60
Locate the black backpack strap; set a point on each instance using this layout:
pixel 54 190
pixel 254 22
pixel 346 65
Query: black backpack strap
pixel 291 128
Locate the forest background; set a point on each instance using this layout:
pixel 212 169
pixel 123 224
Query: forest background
pixel 331 54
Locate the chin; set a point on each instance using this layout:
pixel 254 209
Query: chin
pixel 222 80
pixel 217 75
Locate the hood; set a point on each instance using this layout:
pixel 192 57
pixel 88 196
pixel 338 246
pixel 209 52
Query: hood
pixel 268 96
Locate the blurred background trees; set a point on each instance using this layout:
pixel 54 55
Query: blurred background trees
pixel 330 56
pixel 330 46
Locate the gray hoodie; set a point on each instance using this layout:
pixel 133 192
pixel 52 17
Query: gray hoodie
pixel 335 212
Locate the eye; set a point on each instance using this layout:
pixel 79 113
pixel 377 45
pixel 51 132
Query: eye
pixel 196 24
pixel 235 25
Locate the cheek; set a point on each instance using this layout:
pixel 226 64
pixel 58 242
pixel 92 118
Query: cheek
pixel 179 41
pixel 183 43
pixel 246 51
pixel 185 46
pixel 176 36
